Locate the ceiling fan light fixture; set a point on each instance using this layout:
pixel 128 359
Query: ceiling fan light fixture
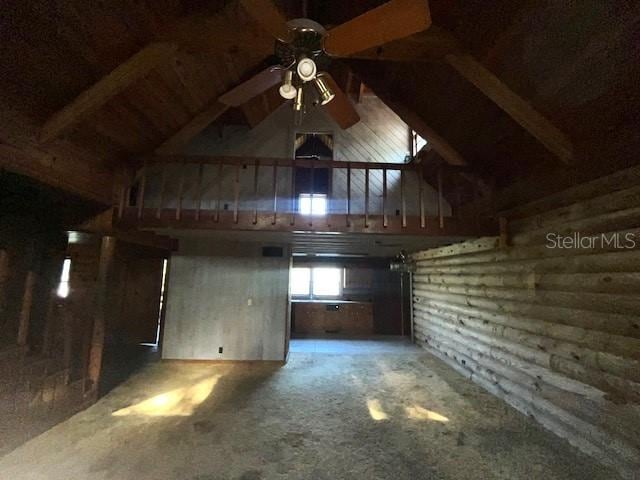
pixel 325 92
pixel 306 69
pixel 287 90
pixel 298 103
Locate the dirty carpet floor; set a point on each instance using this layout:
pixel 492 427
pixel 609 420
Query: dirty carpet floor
pixel 398 415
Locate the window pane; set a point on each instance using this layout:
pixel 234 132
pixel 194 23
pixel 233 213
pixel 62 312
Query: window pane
pixel 63 286
pixel 300 278
pixel 315 206
pixel 327 281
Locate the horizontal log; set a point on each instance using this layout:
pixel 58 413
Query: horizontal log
pixel 598 412
pixel 616 261
pixel 603 204
pixel 620 388
pixel 606 322
pixel 617 220
pixel 553 424
pixel 614 282
pixel 463 248
pixel 598 302
pixel 626 347
pixel 532 252
pixel 621 180
pixel 616 365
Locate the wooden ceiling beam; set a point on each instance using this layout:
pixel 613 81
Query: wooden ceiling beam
pixel 514 105
pixel 105 89
pixel 436 44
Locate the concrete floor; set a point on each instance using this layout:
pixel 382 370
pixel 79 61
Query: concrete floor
pixel 396 413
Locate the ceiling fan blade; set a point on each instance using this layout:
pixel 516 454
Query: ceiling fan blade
pixel 255 86
pixel 390 21
pixel 340 108
pixel 265 13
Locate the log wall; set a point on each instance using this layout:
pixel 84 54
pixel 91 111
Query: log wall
pixel 551 328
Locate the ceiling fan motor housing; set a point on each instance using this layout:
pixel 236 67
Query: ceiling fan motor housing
pixel 307 40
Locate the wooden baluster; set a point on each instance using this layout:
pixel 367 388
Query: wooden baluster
pixel 143 186
pixel 236 203
pixel 293 192
pixel 180 192
pixel 329 194
pixel 123 201
pixel 163 184
pixel 256 168
pixel 366 197
pixel 423 221
pixel 275 192
pixel 348 194
pixel 440 206
pixel 311 194
pixel 384 198
pixel 403 202
pixel 199 191
pixel 219 190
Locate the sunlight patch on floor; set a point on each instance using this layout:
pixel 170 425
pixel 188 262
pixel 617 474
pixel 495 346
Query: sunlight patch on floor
pixel 418 413
pixel 375 410
pixel 180 402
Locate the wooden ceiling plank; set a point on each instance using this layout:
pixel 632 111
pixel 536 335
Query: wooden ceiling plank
pixel 514 105
pixel 196 125
pixel 105 89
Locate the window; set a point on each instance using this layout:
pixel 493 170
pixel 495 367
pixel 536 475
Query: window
pixel 312 205
pixel 301 282
pixel 316 282
pixel 327 282
pixel 417 142
pixel 63 285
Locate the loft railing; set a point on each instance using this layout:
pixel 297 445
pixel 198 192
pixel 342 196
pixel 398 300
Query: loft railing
pixel 264 194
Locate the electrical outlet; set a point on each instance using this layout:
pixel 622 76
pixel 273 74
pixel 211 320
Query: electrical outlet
pixel 219 349
pixel 249 301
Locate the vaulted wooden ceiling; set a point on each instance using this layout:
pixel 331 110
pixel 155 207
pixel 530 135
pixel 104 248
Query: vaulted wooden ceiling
pixel 574 64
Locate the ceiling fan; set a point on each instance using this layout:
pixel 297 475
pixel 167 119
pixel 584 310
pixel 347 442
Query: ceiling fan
pixel 304 50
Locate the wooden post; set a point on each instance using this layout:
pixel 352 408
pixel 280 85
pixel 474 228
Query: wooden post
pixel 4 280
pixel 275 192
pixel 423 222
pixel 384 198
pixel 180 192
pixel 256 169
pixel 219 190
pixel 293 192
pixel 143 186
pixel 27 305
pixel 366 197
pixel 236 186
pixel 348 194
pixel 440 205
pixel 163 184
pixel 102 309
pixel 199 190
pixel 27 295
pixel 311 194
pixel 403 201
pixel 504 232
